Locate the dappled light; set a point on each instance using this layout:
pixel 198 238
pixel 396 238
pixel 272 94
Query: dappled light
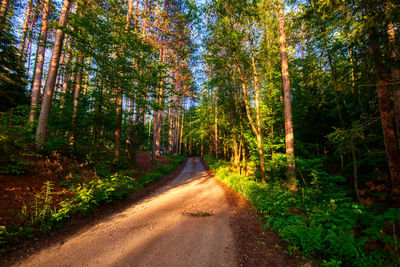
pixel 199 133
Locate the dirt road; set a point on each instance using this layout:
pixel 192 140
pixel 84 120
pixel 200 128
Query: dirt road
pixel 185 223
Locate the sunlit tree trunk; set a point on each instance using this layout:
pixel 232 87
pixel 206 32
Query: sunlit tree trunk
pixel 25 28
pixel 181 132
pixel 157 117
pixel 202 146
pixel 289 137
pixel 190 137
pixel 170 125
pixel 248 113
pixel 41 131
pixel 41 48
pixel 216 127
pixel 382 89
pixel 236 156
pixel 258 119
pixel 3 13
pixel 118 124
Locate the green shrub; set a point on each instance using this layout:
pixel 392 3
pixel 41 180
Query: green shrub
pixel 320 220
pixel 86 197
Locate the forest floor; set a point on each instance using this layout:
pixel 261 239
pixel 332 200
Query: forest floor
pixel 17 192
pixel 187 219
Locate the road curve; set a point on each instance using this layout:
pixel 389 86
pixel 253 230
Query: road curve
pixel 161 230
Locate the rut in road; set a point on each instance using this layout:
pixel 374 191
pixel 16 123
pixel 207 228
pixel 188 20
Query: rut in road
pixel 184 223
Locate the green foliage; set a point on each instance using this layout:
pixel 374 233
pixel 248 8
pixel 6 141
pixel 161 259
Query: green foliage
pixel 16 140
pixel 12 73
pixel 319 220
pixel 86 196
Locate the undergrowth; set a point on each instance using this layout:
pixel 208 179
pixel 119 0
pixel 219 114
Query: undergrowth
pixel 319 220
pixel 85 197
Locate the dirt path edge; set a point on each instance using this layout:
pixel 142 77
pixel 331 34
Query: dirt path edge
pixel 81 222
pixel 254 246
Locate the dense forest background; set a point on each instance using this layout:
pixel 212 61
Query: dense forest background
pixel 302 95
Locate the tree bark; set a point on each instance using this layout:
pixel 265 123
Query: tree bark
pixel 158 117
pixel 25 28
pixel 289 138
pixel 389 137
pixel 181 132
pixel 258 119
pixel 77 93
pixel 37 79
pixel 118 127
pixel 395 72
pixel 41 131
pixel 248 113
pixel 216 127
pixel 3 13
pixel 170 126
pixel 78 85
pixel 67 74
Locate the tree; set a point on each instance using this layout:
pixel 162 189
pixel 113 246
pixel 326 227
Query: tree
pixel 12 74
pixel 41 131
pixel 289 138
pixel 40 54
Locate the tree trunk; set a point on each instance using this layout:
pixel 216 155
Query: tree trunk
pixel 67 75
pixel 289 138
pixel 216 127
pixel 248 113
pixel 202 147
pixel 119 94
pixel 3 13
pixel 77 93
pixel 395 72
pixel 236 156
pixel 181 133
pixel 41 48
pixel 118 126
pixel 258 119
pixel 170 125
pixel 158 117
pixel 339 110
pixel 41 130
pixel 129 138
pixel 150 122
pixel 389 137
pixel 355 172
pixel 25 28
pixel 78 84
pixel 190 137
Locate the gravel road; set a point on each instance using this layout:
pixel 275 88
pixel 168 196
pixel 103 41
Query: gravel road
pixel 184 223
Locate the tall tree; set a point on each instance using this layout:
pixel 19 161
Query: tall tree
pixel 25 27
pixel 40 54
pixel 41 131
pixel 289 137
pixel 382 78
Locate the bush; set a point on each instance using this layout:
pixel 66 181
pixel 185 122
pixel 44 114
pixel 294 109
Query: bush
pixel 322 222
pixel 86 197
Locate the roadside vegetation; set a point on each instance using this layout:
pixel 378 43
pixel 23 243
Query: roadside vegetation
pixel 73 184
pixel 295 103
pixel 320 220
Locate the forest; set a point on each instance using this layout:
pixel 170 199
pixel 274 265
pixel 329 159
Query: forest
pixel 294 104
